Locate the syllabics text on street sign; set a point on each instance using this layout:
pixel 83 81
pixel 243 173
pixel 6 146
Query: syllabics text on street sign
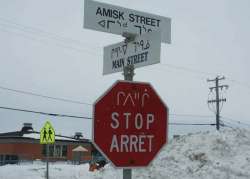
pixel 143 51
pixel 118 20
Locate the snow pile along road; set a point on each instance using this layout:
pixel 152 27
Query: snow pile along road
pixel 206 155
pixel 214 155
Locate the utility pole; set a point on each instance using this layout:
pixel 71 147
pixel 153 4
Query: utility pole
pixel 217 99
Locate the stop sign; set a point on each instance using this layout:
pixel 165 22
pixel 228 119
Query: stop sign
pixel 130 124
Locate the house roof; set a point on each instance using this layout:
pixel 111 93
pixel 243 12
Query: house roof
pixel 80 149
pixel 30 134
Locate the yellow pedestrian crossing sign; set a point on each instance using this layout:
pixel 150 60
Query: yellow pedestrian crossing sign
pixel 47 134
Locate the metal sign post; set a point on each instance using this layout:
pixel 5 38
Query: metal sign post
pixel 131 144
pixel 128 75
pixel 47 161
pixel 47 136
pixel 127 173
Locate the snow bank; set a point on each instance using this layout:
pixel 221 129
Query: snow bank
pixel 204 155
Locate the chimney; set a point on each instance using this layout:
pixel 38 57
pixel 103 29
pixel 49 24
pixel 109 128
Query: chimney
pixel 27 127
pixel 78 135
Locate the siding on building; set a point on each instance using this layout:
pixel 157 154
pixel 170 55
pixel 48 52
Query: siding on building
pixel 14 144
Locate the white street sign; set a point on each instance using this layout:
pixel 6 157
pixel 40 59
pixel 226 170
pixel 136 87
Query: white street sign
pixel 118 20
pixel 144 50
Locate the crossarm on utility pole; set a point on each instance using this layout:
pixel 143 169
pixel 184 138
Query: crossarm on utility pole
pixel 217 99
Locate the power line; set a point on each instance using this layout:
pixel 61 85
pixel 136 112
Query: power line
pixel 46 42
pixel 49 35
pixel 187 69
pixel 37 31
pixel 190 70
pixel 236 121
pixel 191 115
pixel 192 124
pixel 226 125
pixel 44 113
pixel 247 86
pixel 43 96
pixel 84 117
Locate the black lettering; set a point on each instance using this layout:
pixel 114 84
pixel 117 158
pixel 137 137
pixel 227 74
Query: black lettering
pixel 142 20
pixel 135 58
pixel 139 58
pixel 128 61
pixel 143 59
pixel 148 21
pixel 121 15
pixel 118 63
pixel 146 56
pixel 98 11
pixel 115 14
pixel 158 23
pixel 114 64
pixel 131 18
pixel 137 18
pixel 107 13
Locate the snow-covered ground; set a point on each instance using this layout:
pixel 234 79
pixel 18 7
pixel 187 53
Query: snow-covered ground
pixel 204 155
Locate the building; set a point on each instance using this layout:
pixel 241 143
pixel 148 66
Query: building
pixel 24 145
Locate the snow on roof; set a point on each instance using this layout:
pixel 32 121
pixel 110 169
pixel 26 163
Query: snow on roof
pixel 37 136
pixel 80 149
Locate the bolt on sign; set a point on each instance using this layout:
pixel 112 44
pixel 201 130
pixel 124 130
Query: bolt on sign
pixel 47 134
pixel 118 20
pixel 130 124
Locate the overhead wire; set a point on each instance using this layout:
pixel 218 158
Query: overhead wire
pixel 49 35
pixel 44 113
pixel 187 69
pixel 47 43
pixel 242 84
pixel 236 121
pixel 190 70
pixel 90 118
pixel 44 40
pixel 192 124
pixel 43 96
pixel 226 125
pixel 31 29
pixel 192 115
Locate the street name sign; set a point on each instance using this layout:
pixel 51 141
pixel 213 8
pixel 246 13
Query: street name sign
pixel 47 134
pixel 144 50
pixel 118 20
pixel 130 124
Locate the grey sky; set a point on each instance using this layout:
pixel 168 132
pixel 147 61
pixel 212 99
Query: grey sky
pixel 45 50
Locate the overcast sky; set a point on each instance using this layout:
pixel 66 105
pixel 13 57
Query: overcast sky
pixel 45 50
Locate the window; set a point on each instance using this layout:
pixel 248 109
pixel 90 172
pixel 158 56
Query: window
pixel 64 151
pixel 57 151
pixel 51 150
pixel 8 159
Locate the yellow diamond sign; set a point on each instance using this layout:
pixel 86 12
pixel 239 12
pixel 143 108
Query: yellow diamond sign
pixel 47 134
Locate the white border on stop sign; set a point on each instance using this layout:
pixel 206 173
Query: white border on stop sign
pixel 93 114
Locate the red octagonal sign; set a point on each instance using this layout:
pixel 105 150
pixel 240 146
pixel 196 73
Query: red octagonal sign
pixel 130 124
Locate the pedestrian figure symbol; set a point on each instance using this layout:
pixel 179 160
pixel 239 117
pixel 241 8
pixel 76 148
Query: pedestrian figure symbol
pixel 50 133
pixel 44 134
pixel 47 134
